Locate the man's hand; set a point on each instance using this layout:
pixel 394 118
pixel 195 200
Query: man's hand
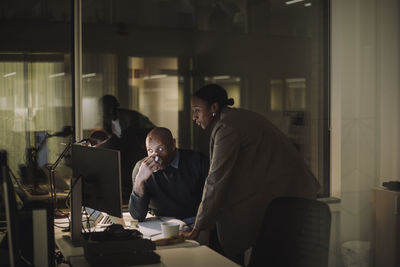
pixel 192 235
pixel 146 169
pixel 148 166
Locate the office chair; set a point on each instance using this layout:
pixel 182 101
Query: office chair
pixel 295 233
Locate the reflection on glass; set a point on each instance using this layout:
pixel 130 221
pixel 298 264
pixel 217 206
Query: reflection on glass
pixel 276 95
pixel 99 77
pixel 149 13
pixel 288 104
pixel 295 94
pixel 153 90
pixel 288 93
pixel 14 119
pixel 35 98
pixel 294 19
pixel 221 15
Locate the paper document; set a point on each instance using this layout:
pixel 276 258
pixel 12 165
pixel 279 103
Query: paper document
pixel 150 227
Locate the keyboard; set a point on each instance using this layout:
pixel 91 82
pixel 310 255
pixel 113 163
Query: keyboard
pixel 106 220
pixel 103 249
pixel 123 234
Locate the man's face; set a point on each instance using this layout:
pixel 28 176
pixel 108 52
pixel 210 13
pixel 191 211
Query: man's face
pixel 164 149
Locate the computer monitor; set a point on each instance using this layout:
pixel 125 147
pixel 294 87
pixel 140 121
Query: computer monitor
pixel 99 170
pixel 41 148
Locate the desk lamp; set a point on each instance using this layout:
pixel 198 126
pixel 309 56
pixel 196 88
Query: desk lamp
pixel 66 131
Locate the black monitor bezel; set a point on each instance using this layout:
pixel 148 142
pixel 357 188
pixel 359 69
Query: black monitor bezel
pixel 94 166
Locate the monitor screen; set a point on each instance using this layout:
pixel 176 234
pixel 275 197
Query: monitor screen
pixel 41 147
pixel 100 172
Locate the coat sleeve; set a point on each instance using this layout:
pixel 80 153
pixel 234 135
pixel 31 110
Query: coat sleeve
pixel 138 206
pixel 225 152
pixel 204 168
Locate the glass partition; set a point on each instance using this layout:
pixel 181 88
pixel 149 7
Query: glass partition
pixel 151 55
pixel 36 103
pixel 35 90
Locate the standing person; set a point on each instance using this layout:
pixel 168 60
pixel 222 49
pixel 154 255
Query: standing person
pixel 169 180
pixel 128 130
pixel 251 163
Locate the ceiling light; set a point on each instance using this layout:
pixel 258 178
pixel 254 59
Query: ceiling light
pixel 293 2
pixel 9 74
pixel 89 75
pixel 307 4
pixel 56 75
pixel 222 77
pixel 158 76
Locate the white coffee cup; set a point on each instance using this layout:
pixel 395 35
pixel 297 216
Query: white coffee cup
pixel 170 229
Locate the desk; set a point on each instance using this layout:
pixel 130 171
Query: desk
pixel 63 239
pixel 199 256
pixel 189 253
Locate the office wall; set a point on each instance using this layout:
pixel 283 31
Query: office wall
pixel 365 106
pixel 388 84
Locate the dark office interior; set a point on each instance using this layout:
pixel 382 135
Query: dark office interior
pixel 325 72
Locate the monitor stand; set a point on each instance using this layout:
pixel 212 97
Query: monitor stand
pixel 64 243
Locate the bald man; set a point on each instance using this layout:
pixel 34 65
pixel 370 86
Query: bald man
pixel 169 181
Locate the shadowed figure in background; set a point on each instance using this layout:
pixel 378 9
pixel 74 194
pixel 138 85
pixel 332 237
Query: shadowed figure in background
pixel 128 130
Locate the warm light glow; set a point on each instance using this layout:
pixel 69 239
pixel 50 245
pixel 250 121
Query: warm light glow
pixel 57 75
pixel 307 4
pixel 293 2
pixel 159 76
pixel 9 74
pixel 89 75
pixel 222 77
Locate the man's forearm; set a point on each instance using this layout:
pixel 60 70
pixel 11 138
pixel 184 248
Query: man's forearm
pixel 138 187
pixel 138 207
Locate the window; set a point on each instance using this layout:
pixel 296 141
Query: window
pixel 271 56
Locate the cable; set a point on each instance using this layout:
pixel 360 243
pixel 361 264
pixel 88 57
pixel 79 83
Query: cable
pixel 69 193
pixel 66 201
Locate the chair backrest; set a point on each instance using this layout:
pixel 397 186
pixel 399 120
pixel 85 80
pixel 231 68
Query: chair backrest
pixel 295 233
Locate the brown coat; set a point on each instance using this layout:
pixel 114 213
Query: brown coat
pixel 252 162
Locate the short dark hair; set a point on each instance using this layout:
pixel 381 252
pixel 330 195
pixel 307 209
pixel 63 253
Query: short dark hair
pixel 97 137
pixel 214 93
pixel 163 133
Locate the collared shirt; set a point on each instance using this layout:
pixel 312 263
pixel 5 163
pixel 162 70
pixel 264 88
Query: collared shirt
pixel 175 191
pixel 116 128
pixel 173 165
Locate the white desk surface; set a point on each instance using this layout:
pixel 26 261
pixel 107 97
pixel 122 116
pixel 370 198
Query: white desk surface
pixel 63 240
pixel 200 256
pixel 188 253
